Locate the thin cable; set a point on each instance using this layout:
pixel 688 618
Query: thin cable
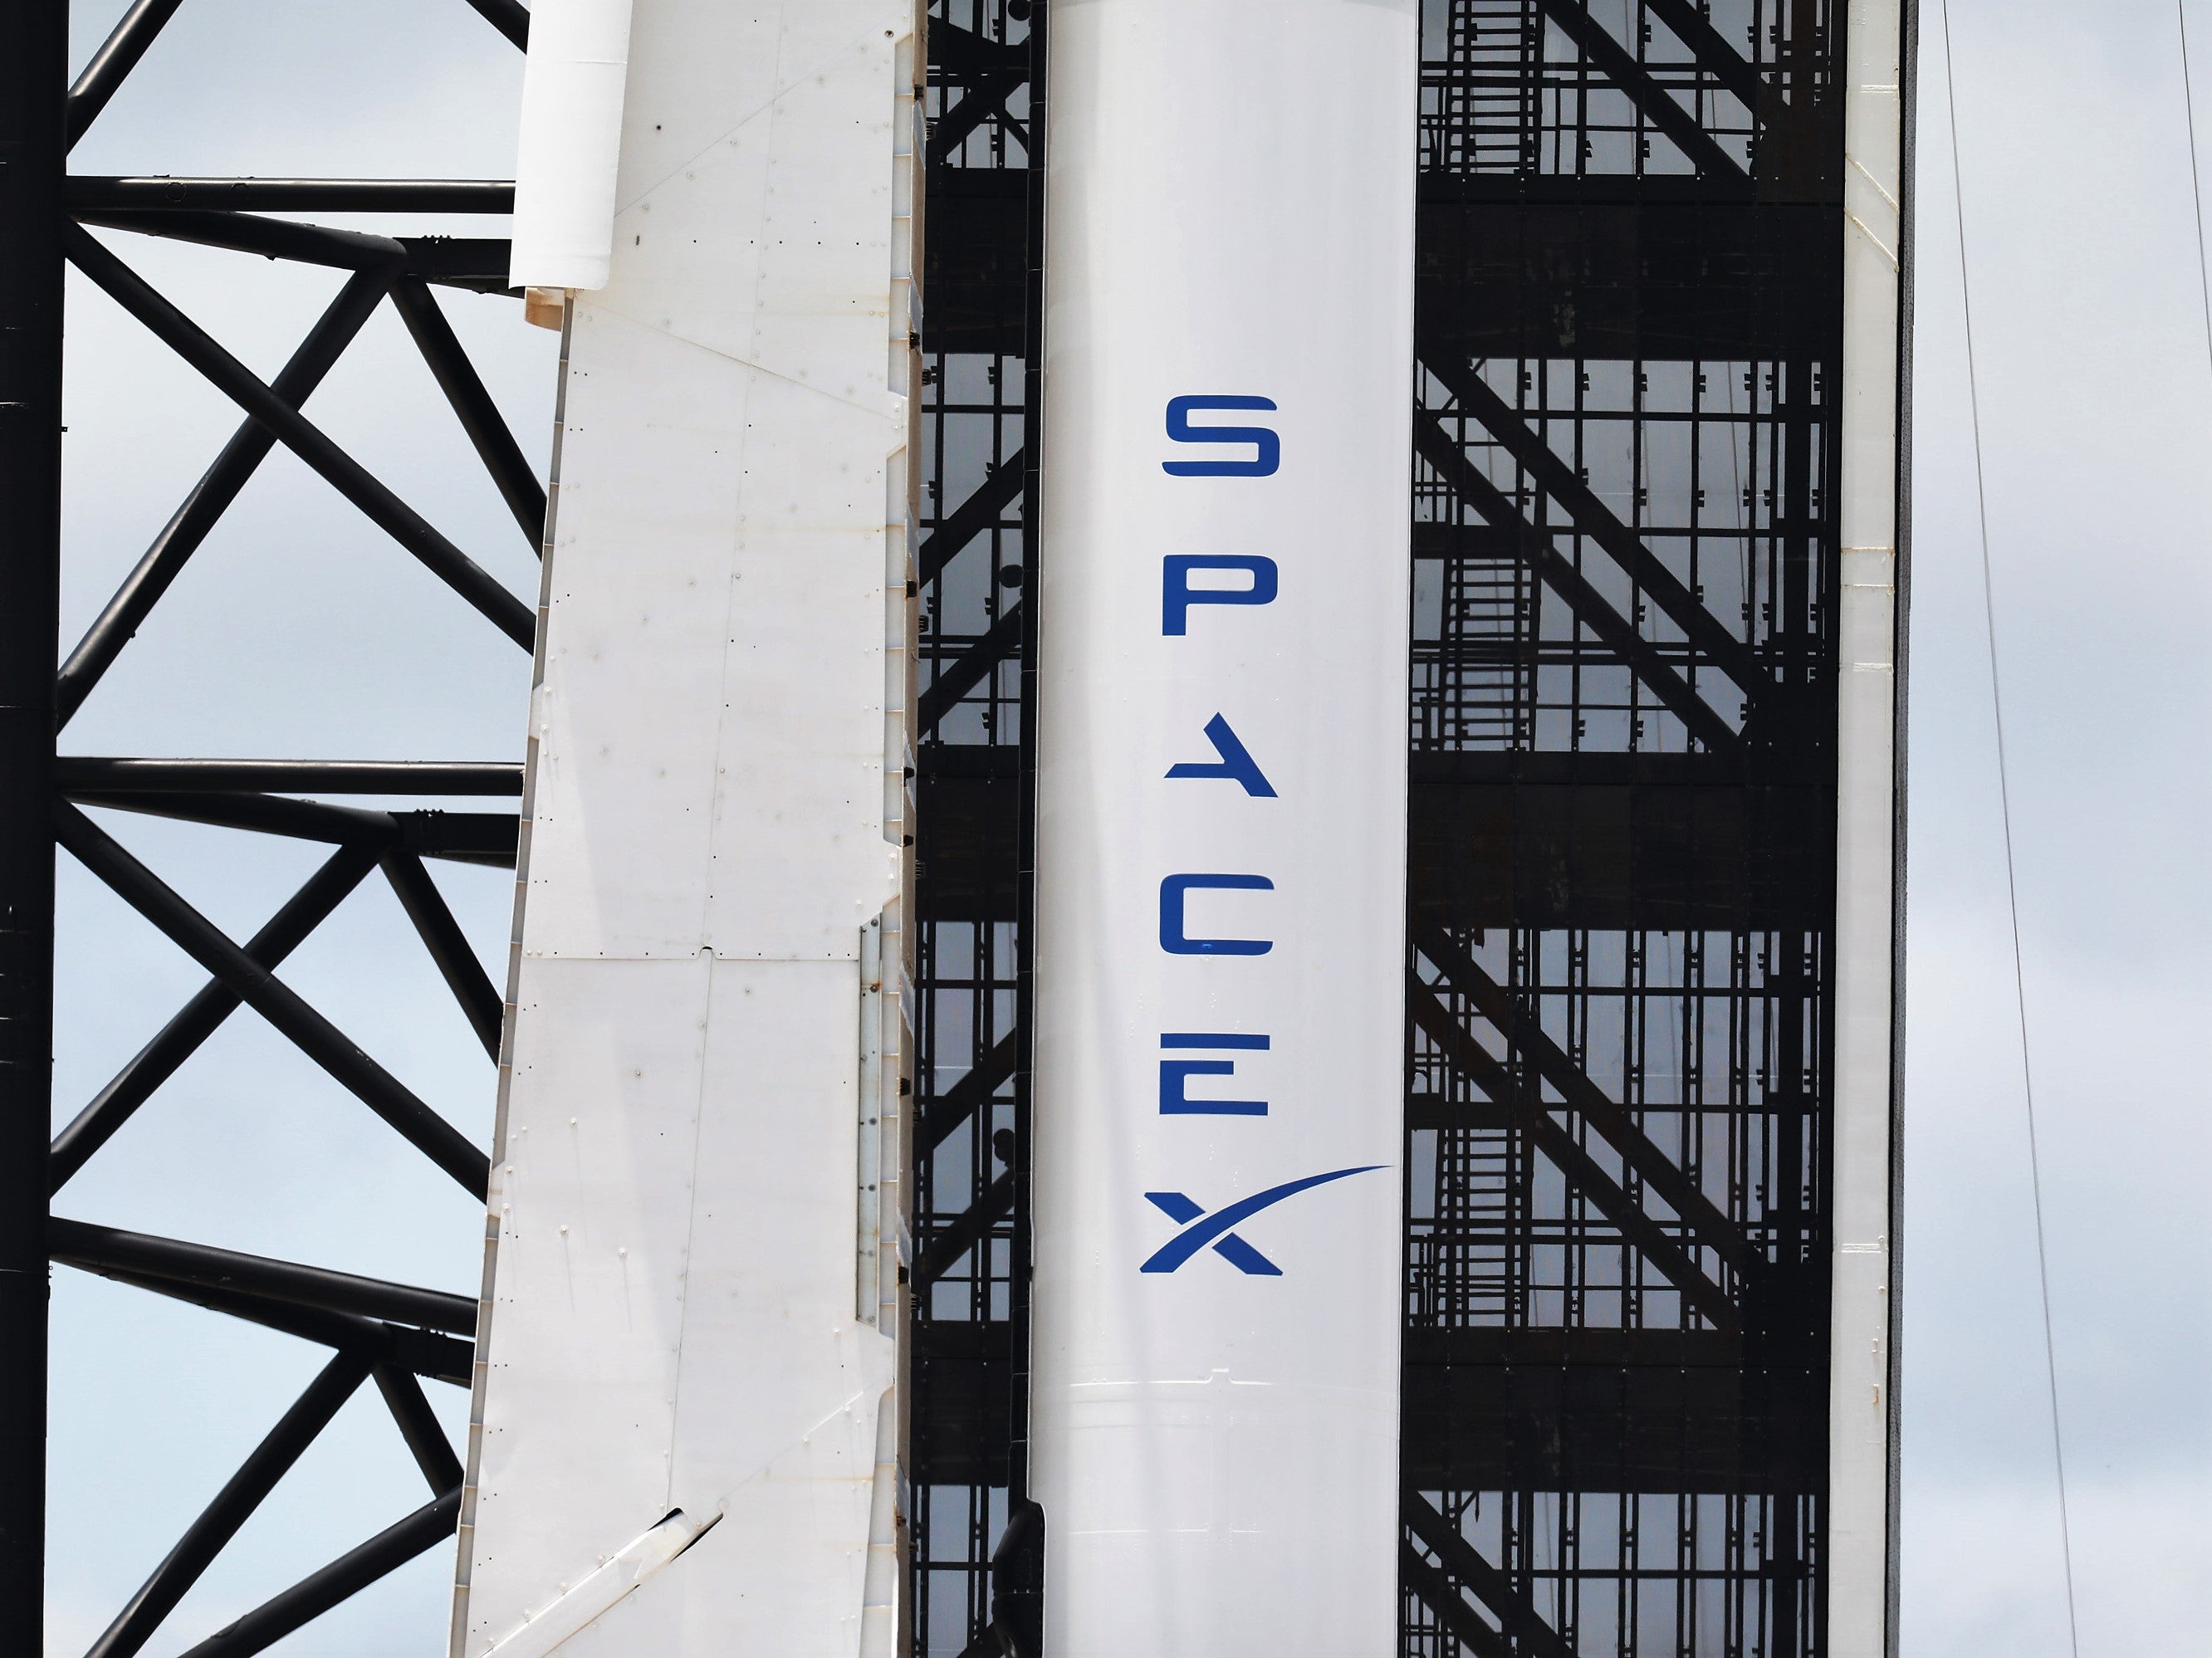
pixel 2196 184
pixel 2012 884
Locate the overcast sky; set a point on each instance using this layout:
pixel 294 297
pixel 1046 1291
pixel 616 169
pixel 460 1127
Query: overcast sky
pixel 300 630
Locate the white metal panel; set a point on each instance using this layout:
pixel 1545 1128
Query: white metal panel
pixel 1862 1365
pixel 1215 1437
pixel 670 1318
pixel 572 121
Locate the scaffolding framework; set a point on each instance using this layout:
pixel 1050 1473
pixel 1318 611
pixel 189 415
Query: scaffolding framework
pixel 395 1337
pixel 1622 720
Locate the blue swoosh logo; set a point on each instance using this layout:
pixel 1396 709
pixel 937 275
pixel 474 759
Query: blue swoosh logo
pixel 1201 1229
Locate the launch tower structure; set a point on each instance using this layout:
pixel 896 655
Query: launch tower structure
pixel 793 1274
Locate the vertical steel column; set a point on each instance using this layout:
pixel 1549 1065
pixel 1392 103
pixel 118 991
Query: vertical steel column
pixel 1861 1526
pixel 33 67
pixel 1017 1562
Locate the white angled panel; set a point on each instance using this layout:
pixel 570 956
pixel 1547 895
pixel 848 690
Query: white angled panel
pixel 1219 1043
pixel 679 1320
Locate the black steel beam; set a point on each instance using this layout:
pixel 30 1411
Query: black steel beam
pixel 486 838
pixel 422 1352
pixel 117 56
pixel 956 678
pixel 967 830
pixel 971 517
pixel 1583 1172
pixel 1684 842
pixel 200 1017
pixel 976 260
pixel 232 1506
pixel 961 1372
pixel 267 995
pixel 960 1102
pixel 210 497
pixel 1429 1584
pixel 98 1248
pixel 418 1426
pixel 516 479
pixel 1507 265
pixel 517 620
pixel 272 238
pixel 449 947
pixel 947 1243
pixel 1713 643
pixel 1486 1409
pixel 88 195
pixel 345 1577
pixel 510 17
pixel 1611 1410
pixel 959 54
pixel 261 814
pixel 34 68
pixel 1434 445
pixel 1712 50
pixel 1531 1637
pixel 1730 283
pixel 1524 1033
pixel 478 263
pixel 988 74
pixel 1627 842
pixel 125 774
pixel 1618 65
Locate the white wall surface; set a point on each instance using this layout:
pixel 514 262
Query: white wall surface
pixel 672 1273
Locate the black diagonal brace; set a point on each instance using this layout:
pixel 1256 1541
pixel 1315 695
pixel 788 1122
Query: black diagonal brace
pixel 345 1577
pixel 967 671
pixel 118 55
pixel 418 1426
pixel 1556 571
pixel 449 951
pixel 1516 1614
pixel 1713 643
pixel 963 1232
pixel 1618 65
pixel 1565 1153
pixel 234 1505
pixel 200 1017
pixel 1524 1033
pixel 510 17
pixel 971 517
pixel 420 1353
pixel 516 478
pixel 1433 1588
pixel 269 996
pixel 1714 55
pixel 210 497
pixel 478 263
pixel 486 838
pixel 104 1248
pixel 517 620
pixel 961 1101
pixel 989 71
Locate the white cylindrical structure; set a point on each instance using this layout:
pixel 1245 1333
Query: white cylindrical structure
pixel 570 147
pixel 1219 1040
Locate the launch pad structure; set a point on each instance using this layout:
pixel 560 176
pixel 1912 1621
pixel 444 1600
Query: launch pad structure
pixel 766 1036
